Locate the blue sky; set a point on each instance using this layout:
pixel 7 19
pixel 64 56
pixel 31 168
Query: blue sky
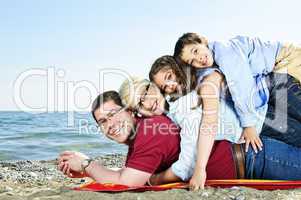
pixel 82 37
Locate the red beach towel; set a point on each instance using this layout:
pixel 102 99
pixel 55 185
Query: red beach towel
pixel 256 184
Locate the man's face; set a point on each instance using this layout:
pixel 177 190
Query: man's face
pixel 197 55
pixel 114 121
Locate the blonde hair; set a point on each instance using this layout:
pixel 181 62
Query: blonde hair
pixel 129 91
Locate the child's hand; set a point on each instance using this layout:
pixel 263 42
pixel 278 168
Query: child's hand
pixel 250 136
pixel 198 179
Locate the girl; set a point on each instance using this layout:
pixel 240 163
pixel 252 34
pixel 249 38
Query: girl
pixel 163 75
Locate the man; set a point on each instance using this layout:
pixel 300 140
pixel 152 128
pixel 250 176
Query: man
pixel 153 144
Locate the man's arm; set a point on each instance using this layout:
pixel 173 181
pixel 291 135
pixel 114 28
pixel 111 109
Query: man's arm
pixel 125 176
pixel 71 163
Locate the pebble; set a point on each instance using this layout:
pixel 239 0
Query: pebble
pixel 205 194
pixel 33 174
pixel 32 178
pixel 240 197
pixel 5 189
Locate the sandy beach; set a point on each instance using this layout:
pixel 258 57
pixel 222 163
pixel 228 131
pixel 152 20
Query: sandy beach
pixel 41 180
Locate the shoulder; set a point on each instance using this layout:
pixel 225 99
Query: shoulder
pixel 202 73
pixel 213 77
pixel 226 47
pixel 211 84
pixel 153 120
pixel 156 125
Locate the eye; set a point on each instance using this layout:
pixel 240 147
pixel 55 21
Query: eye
pixel 195 51
pixel 110 114
pixel 168 77
pixel 102 121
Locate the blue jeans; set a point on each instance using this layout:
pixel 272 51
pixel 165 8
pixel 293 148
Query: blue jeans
pixel 276 161
pixel 285 98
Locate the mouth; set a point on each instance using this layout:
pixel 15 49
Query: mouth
pixel 205 61
pixel 116 132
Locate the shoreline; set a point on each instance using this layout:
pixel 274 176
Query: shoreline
pixel 25 179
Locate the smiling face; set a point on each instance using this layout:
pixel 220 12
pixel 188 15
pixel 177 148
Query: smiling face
pixel 114 121
pixel 151 102
pixel 197 55
pixel 166 80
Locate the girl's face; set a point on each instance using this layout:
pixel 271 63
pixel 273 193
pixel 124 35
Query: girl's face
pixel 151 102
pixel 166 81
pixel 197 55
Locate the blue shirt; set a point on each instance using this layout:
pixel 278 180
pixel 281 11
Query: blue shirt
pixel 244 62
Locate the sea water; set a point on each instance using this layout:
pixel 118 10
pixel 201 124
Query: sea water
pixel 42 136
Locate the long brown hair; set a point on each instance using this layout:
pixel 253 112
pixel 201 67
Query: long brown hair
pixel 185 75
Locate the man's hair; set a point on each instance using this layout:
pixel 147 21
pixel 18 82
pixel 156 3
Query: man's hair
pixel 187 39
pixel 185 75
pixel 103 98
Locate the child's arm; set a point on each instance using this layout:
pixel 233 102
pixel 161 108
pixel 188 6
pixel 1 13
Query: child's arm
pixel 209 91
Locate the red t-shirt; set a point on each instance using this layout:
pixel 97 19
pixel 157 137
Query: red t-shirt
pixel 221 164
pixel 156 145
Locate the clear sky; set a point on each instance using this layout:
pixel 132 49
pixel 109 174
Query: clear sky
pixel 82 37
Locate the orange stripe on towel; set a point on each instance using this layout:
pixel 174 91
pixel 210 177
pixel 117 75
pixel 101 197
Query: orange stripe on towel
pixel 256 184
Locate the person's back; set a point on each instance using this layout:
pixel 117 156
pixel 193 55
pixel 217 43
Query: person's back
pixel 253 53
pixel 156 144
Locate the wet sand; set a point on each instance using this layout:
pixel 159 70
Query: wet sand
pixel 40 180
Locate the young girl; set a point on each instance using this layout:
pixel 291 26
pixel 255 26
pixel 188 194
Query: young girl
pixel 209 91
pixel 163 74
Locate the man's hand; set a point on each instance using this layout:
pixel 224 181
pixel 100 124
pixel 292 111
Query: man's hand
pixel 70 163
pixel 250 136
pixel 198 180
pixel 64 167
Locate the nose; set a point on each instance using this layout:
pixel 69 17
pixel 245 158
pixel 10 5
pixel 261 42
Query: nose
pixel 171 84
pixel 201 59
pixel 147 104
pixel 171 87
pixel 109 127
